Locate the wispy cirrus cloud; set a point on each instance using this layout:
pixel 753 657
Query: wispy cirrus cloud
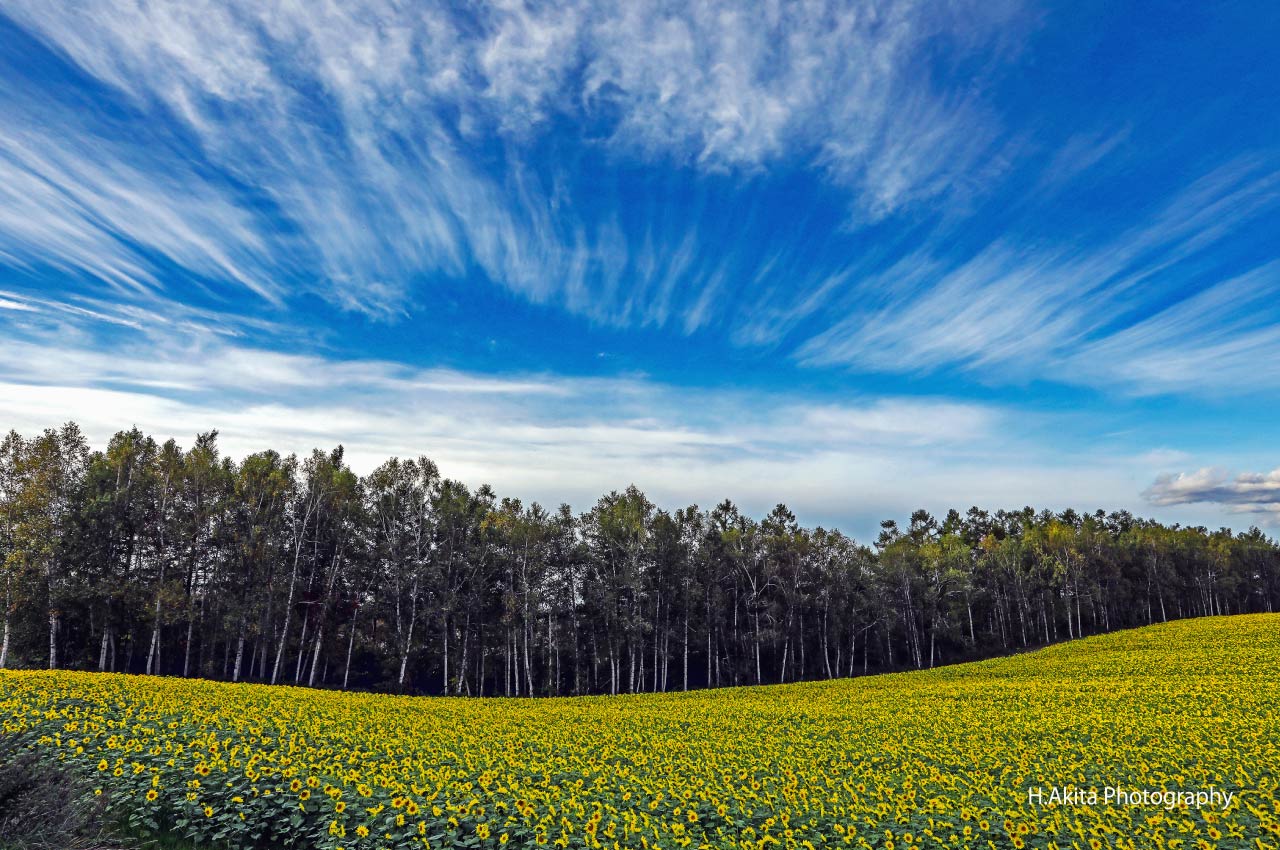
pixel 354 149
pixel 1116 313
pixel 732 85
pixel 85 208
pixel 1214 342
pixel 844 186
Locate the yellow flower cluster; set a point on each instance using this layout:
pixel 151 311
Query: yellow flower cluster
pixel 941 758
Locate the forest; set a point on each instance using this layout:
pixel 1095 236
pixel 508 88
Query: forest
pixel 150 558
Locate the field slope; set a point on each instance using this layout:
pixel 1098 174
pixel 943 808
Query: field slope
pixel 935 758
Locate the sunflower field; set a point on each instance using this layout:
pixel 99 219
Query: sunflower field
pixel 941 758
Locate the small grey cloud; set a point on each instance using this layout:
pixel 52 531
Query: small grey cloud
pixel 1248 492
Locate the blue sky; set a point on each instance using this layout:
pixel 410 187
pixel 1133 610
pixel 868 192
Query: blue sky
pixel 859 257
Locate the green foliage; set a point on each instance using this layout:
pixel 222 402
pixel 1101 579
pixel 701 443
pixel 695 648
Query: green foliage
pixel 45 805
pixel 936 758
pixel 150 559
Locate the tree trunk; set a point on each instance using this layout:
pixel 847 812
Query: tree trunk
pixel 288 616
pixel 186 652
pixel 480 664
pixel 759 675
pixel 657 615
pixel 351 641
pixel 153 651
pixel 444 656
pixel 686 649
pixel 408 643
pixel 466 646
pixel 631 671
pixel 315 655
pixel 235 676
pixel 801 641
pixel 709 640
pixel 8 604
pixel 102 650
pixel 302 647
pixel 55 625
pixel 528 660
pixel 293 582
pixel 933 628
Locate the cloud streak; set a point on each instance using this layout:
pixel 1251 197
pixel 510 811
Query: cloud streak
pixel 851 464
pixel 1092 315
pixel 365 152
pixel 358 148
pixel 543 436
pixel 849 460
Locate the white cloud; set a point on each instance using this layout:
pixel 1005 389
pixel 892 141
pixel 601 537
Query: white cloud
pixel 77 204
pixel 738 86
pixel 852 464
pixel 350 131
pixel 1248 492
pixel 1077 315
pixel 355 150
pixel 849 462
pixel 1211 342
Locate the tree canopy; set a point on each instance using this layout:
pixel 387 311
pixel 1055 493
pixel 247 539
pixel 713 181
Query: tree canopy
pixel 151 558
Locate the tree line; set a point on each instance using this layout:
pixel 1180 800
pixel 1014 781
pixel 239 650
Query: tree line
pixel 150 558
